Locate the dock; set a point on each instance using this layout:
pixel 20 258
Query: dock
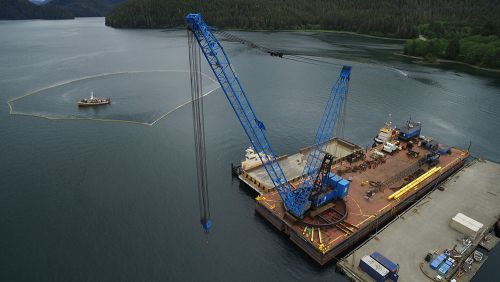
pixel 424 228
pixel 372 180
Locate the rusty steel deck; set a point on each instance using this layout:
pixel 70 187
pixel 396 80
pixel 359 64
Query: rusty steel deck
pixel 365 214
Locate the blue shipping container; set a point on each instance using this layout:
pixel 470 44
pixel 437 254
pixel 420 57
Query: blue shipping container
pixel 409 130
pixel 331 179
pixel 336 180
pixel 444 150
pixel 443 269
pixel 387 263
pixel 342 188
pixel 436 262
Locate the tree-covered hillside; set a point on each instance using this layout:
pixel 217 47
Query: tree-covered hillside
pixel 86 8
pixel 473 45
pixel 24 9
pixel 395 18
pixel 54 9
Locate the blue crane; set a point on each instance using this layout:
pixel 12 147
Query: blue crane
pixel 296 201
pixel 334 108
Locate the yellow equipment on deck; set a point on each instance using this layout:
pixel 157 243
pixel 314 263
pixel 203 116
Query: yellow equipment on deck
pixel 396 195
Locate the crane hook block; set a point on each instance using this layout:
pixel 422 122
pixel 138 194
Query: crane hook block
pixel 260 124
pixel 207 224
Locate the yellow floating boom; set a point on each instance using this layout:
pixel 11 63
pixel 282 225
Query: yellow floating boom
pixel 413 184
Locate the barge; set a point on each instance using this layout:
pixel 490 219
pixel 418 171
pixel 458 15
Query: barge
pixel 375 176
pixel 252 172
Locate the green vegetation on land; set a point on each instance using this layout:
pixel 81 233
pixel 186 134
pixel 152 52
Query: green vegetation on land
pixel 464 30
pixel 389 18
pixel 478 46
pixel 86 8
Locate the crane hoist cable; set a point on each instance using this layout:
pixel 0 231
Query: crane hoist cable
pixel 199 132
pixel 274 52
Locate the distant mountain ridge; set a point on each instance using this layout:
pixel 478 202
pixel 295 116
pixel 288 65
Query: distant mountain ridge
pixel 54 9
pixel 24 9
pixel 86 8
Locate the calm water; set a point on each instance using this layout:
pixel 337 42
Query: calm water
pixel 84 200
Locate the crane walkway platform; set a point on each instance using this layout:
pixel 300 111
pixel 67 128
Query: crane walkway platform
pixel 424 228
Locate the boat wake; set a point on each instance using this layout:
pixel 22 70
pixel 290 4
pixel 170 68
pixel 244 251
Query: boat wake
pixel 398 71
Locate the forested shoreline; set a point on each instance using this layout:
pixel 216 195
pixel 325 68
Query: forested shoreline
pixel 462 30
pixel 389 18
pixel 475 46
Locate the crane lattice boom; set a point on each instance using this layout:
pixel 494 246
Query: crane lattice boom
pixel 295 201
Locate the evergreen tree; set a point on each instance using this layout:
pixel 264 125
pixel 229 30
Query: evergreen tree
pixel 453 49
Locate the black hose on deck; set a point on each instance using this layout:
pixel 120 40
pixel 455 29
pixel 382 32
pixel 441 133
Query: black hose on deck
pixel 329 222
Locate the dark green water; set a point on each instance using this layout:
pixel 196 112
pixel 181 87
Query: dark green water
pixel 84 200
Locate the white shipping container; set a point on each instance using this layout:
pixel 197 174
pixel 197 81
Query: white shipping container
pixel 375 265
pixel 470 220
pixel 465 225
pixel 458 226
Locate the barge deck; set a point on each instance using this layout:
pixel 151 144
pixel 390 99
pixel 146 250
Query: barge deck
pixel 367 203
pixel 257 178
